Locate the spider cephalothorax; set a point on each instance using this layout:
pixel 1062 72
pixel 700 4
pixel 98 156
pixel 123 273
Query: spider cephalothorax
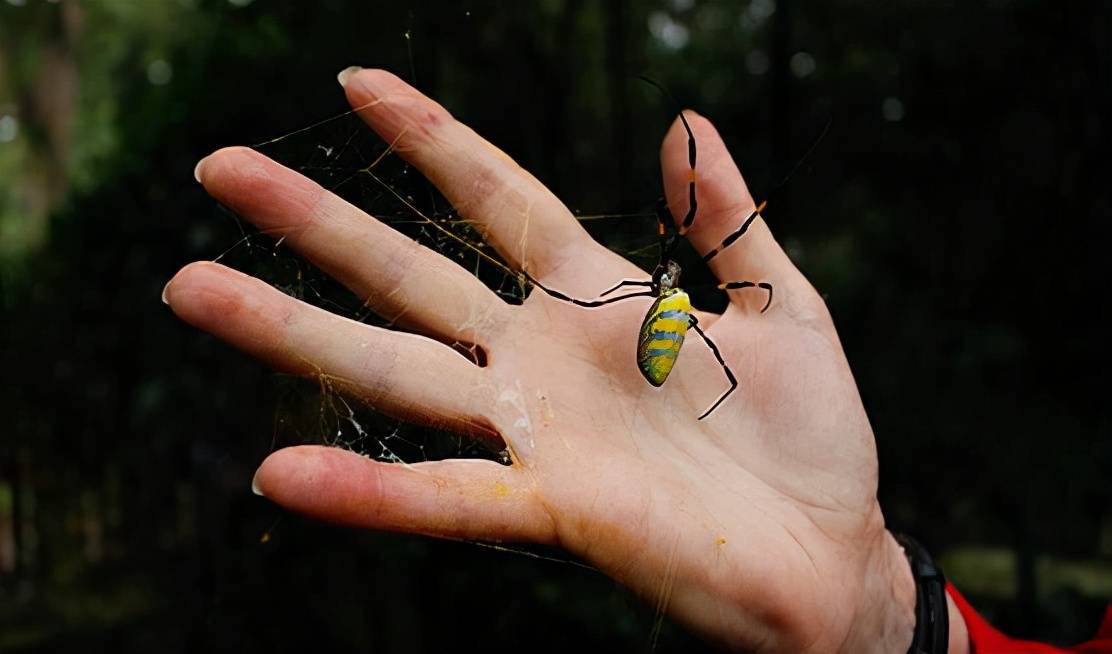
pixel 668 276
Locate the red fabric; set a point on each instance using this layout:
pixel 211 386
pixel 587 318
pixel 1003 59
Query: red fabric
pixel 983 639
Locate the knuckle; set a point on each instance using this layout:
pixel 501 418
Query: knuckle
pixel 397 265
pixel 375 373
pixel 806 307
pixel 389 271
pixel 491 192
pixel 416 120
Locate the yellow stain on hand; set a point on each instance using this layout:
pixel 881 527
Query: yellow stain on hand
pixel 501 489
pixel 546 410
pixel 720 541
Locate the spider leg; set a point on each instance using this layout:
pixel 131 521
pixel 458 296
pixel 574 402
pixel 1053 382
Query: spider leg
pixel 668 240
pixel 626 282
pixel 586 303
pixel 736 234
pixel 729 286
pixel 693 204
pixel 721 362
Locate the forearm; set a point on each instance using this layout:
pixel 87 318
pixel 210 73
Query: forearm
pixel 959 634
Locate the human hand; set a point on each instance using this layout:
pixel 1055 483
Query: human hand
pixel 758 527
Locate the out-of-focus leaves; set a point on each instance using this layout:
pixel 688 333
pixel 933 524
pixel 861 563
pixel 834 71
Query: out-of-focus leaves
pixel 954 217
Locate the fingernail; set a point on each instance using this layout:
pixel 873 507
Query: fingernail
pixel 255 485
pixel 197 170
pixel 346 73
pixel 165 288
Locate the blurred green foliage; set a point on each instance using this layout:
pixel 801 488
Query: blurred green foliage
pixel 955 218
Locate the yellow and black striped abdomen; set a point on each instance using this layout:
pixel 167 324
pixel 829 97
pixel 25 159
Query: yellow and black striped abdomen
pixel 662 335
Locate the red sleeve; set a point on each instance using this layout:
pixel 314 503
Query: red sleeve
pixel 983 639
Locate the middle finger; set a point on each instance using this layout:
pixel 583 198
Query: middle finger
pixel 515 213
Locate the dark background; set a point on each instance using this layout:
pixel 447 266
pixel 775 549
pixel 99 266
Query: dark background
pixel 956 217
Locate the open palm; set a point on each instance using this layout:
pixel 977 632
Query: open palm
pixel 758 526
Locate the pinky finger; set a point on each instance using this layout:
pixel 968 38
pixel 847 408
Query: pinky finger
pixel 455 498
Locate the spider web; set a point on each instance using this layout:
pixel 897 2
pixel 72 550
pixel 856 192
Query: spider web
pixel 346 157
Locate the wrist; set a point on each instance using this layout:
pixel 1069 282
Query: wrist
pixel 886 618
pixel 886 615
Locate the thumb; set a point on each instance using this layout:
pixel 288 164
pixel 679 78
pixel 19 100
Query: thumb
pixel 455 498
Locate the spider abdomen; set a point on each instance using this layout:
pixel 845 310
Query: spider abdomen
pixel 662 335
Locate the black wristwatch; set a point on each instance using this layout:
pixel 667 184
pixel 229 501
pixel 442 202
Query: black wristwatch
pixel 932 617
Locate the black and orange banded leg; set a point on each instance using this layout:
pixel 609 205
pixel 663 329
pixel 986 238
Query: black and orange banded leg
pixel 736 234
pixel 666 239
pixel 627 282
pixel 731 286
pixel 692 203
pixel 721 362
pixel 596 302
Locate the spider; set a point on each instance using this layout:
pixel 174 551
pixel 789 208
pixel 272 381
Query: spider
pixel 671 315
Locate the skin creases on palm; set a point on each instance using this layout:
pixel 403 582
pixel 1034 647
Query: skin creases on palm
pixel 786 465
pixel 758 526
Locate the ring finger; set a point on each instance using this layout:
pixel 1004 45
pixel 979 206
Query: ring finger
pixel 397 278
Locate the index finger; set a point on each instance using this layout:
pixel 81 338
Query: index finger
pixel 725 206
pixel 515 213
